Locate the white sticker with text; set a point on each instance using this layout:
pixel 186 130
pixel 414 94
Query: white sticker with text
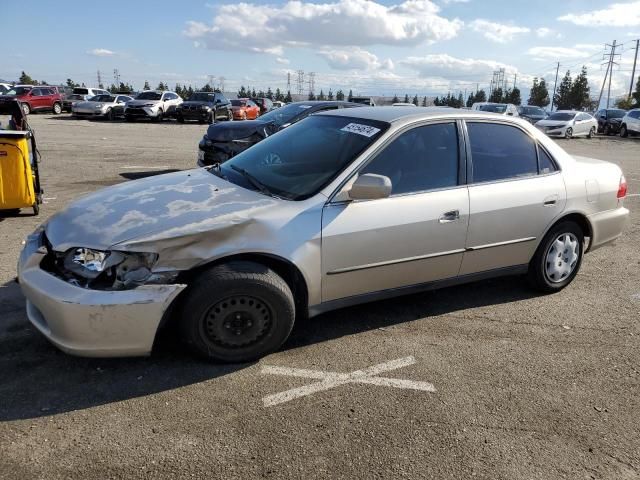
pixel 366 130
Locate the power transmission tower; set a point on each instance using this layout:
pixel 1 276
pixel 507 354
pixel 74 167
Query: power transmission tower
pixel 211 79
pixel 221 82
pixel 116 77
pixel 633 72
pixel 312 82
pixel 555 85
pixel 99 79
pixel 288 81
pixel 300 81
pixel 609 73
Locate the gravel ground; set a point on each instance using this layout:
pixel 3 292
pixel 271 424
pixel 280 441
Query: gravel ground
pixel 527 386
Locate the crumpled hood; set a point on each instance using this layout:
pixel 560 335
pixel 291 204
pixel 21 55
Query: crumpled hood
pixel 154 210
pixel 141 103
pixel 226 131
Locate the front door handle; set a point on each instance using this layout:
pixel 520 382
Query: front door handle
pixel 449 217
pixel 550 201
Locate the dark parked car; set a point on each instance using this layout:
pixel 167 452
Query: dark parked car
pixel 265 104
pixel 532 114
pixel 224 140
pixel 609 120
pixel 205 107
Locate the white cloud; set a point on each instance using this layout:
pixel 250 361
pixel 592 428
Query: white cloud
pixel 443 65
pixel 354 59
pixel 101 52
pixel 615 15
pixel 544 32
pixel 497 32
pixel 297 23
pixel 578 51
pixel 283 61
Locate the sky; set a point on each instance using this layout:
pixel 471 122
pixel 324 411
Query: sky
pixel 374 47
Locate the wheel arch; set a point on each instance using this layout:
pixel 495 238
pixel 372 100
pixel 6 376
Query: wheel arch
pixel 580 219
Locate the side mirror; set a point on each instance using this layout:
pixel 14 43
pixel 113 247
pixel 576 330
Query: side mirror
pixel 370 187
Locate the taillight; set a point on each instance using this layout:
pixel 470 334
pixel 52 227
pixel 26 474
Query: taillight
pixel 622 188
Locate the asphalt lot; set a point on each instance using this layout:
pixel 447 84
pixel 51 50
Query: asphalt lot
pixel 526 386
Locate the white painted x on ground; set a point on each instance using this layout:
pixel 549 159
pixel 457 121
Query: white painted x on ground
pixel 329 380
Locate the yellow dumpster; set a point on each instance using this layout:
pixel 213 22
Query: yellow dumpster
pixel 19 181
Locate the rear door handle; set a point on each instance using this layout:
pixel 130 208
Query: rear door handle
pixel 449 217
pixel 551 200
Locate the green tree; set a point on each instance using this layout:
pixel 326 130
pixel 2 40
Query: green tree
pixel 624 103
pixel 112 88
pixel 539 94
pixel 242 93
pixel 71 83
pixel 26 79
pixel 287 97
pixel 340 95
pixel 424 101
pixel 269 94
pixel 460 101
pixel 580 91
pixel 146 86
pixel 321 96
pixel 253 93
pixel 161 86
pixel 496 95
pixel 406 98
pixel 312 96
pixel 278 95
pixel 415 100
pixel 395 99
pixel 562 100
pixel 514 96
pixel 636 95
pixel 471 100
pixel 207 88
pixel 189 92
pixel 481 96
pixel 330 95
pixel 350 97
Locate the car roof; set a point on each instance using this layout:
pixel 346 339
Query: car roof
pixel 392 114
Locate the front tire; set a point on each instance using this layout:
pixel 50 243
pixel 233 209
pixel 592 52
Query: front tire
pixel 592 132
pixel 110 115
pixel 568 133
pixel 159 117
pixel 57 109
pixel 624 133
pixel 607 130
pixel 558 258
pixel 237 312
pixel 26 109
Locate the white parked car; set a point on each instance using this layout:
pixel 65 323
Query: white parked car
pixel 568 124
pixel 103 106
pixel 499 108
pixel 153 104
pixel 630 123
pixel 81 94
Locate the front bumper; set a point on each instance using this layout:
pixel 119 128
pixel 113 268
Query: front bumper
pixel 92 323
pixel 193 114
pixel 87 113
pixel 554 131
pixel 141 112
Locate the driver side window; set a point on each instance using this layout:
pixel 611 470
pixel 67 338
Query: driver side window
pixel 423 158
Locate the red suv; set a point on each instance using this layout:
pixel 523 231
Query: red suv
pixel 34 98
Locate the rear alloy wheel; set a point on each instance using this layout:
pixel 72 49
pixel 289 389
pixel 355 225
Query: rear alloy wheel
pixel 558 258
pixel 57 109
pixel 109 115
pixel 568 133
pixel 607 130
pixel 592 132
pixel 26 109
pixel 624 133
pixel 237 312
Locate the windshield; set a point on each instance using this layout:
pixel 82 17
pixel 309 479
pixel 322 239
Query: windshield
pixel 238 103
pixel 285 114
pixel 532 111
pixel 149 96
pixel 499 108
pixel 300 160
pixel 19 91
pixel 616 113
pixel 102 98
pixel 81 91
pixel 202 97
pixel 564 116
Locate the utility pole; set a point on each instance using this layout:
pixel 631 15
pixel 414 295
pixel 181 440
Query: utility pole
pixel 515 78
pixel 288 81
pixel 633 72
pixel 608 73
pixel 555 84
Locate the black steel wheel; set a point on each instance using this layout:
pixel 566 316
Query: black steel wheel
pixel 237 312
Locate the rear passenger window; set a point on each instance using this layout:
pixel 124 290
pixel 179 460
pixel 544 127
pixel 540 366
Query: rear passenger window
pixel 501 152
pixel 546 164
pixel 424 158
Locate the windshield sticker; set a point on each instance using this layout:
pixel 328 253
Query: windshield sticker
pixel 365 130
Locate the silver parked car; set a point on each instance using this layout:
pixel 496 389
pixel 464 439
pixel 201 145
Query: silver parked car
pixel 341 208
pixel 568 124
pixel 102 106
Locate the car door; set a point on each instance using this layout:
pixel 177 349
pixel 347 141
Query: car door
pixel 634 121
pixel 35 98
pixel 515 192
pixel 414 236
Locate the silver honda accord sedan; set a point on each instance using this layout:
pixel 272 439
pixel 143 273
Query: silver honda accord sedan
pixel 341 208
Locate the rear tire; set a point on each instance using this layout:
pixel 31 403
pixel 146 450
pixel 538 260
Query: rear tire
pixel 592 132
pixel 237 312
pixel 624 133
pixel 109 115
pixel 558 258
pixel 26 108
pixel 607 130
pixel 568 133
pixel 57 109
